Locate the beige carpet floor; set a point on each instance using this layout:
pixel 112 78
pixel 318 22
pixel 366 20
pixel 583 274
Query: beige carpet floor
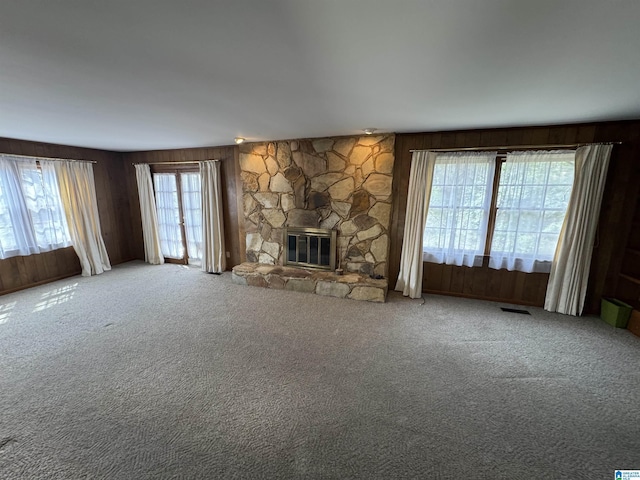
pixel 167 372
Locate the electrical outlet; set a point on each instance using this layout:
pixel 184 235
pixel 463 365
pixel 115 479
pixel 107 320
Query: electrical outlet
pixel 228 254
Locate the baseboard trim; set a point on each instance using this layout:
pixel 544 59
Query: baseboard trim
pixel 40 282
pixel 509 301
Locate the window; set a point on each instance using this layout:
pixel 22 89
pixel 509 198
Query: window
pixel 522 227
pixel 8 243
pixel 459 205
pixel 32 218
pixel 42 197
pixel 533 195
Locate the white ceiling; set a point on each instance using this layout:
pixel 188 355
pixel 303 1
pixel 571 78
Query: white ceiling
pixel 155 74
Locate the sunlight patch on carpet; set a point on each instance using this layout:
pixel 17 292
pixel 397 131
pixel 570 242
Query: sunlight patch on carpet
pixel 55 297
pixel 5 311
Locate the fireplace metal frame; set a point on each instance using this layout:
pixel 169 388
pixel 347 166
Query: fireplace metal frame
pixel 311 232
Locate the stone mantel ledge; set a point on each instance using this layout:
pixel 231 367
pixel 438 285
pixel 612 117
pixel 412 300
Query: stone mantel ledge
pixel 351 285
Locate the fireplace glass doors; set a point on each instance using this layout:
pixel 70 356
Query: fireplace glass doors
pixel 310 248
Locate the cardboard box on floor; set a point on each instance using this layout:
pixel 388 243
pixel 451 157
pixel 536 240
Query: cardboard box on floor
pixel 634 323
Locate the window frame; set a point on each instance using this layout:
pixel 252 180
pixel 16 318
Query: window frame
pixel 500 160
pixel 476 258
pixel 176 170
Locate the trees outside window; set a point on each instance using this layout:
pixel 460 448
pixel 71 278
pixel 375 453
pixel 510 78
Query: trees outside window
pixel 509 209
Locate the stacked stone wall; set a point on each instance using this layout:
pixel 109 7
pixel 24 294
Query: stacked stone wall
pixel 341 183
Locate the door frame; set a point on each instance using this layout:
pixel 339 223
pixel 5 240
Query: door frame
pixel 177 170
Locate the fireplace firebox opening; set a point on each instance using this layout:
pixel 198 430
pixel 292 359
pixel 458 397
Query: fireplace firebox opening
pixel 310 247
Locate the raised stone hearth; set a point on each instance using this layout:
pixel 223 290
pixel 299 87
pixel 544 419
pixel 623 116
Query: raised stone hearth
pixel 351 285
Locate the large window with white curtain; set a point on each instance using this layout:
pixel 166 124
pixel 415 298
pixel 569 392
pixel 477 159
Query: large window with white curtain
pixel 533 195
pixel 507 210
pixel 459 206
pixel 32 218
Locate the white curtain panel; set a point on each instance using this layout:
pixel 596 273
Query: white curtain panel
pixel 569 276
pixel 420 178
pixel 17 236
pixel 458 214
pixel 533 194
pixel 168 210
pixel 192 214
pixel 45 206
pixel 149 216
pixel 78 194
pixel 213 251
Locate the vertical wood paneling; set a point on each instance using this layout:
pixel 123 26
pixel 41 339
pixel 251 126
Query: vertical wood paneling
pixel 113 208
pixel 468 282
pixel 399 187
pixel 447 271
pixel 556 136
pixel 241 232
pixel 570 134
pixel 615 226
pixel 514 137
pixel 479 281
pixel 457 278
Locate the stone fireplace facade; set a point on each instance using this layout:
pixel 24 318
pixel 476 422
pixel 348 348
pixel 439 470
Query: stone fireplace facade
pixel 341 183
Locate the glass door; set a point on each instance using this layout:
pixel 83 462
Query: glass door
pixel 179 216
pixel 192 215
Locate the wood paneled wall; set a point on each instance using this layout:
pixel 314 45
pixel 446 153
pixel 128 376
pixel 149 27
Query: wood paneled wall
pixel 629 284
pixel 113 207
pixel 615 223
pixel 227 156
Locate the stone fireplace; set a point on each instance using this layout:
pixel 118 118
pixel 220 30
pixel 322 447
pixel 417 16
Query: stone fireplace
pixel 341 184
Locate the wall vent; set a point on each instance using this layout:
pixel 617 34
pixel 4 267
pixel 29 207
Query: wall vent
pixel 515 310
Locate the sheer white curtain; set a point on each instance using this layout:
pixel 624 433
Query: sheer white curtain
pixel 411 268
pixel 569 277
pixel 17 236
pixel 78 194
pixel 533 194
pixel 31 215
pixel 42 193
pixel 213 252
pixel 149 216
pixel 458 214
pixel 168 210
pixel 192 214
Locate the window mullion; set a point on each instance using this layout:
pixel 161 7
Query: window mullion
pixel 493 211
